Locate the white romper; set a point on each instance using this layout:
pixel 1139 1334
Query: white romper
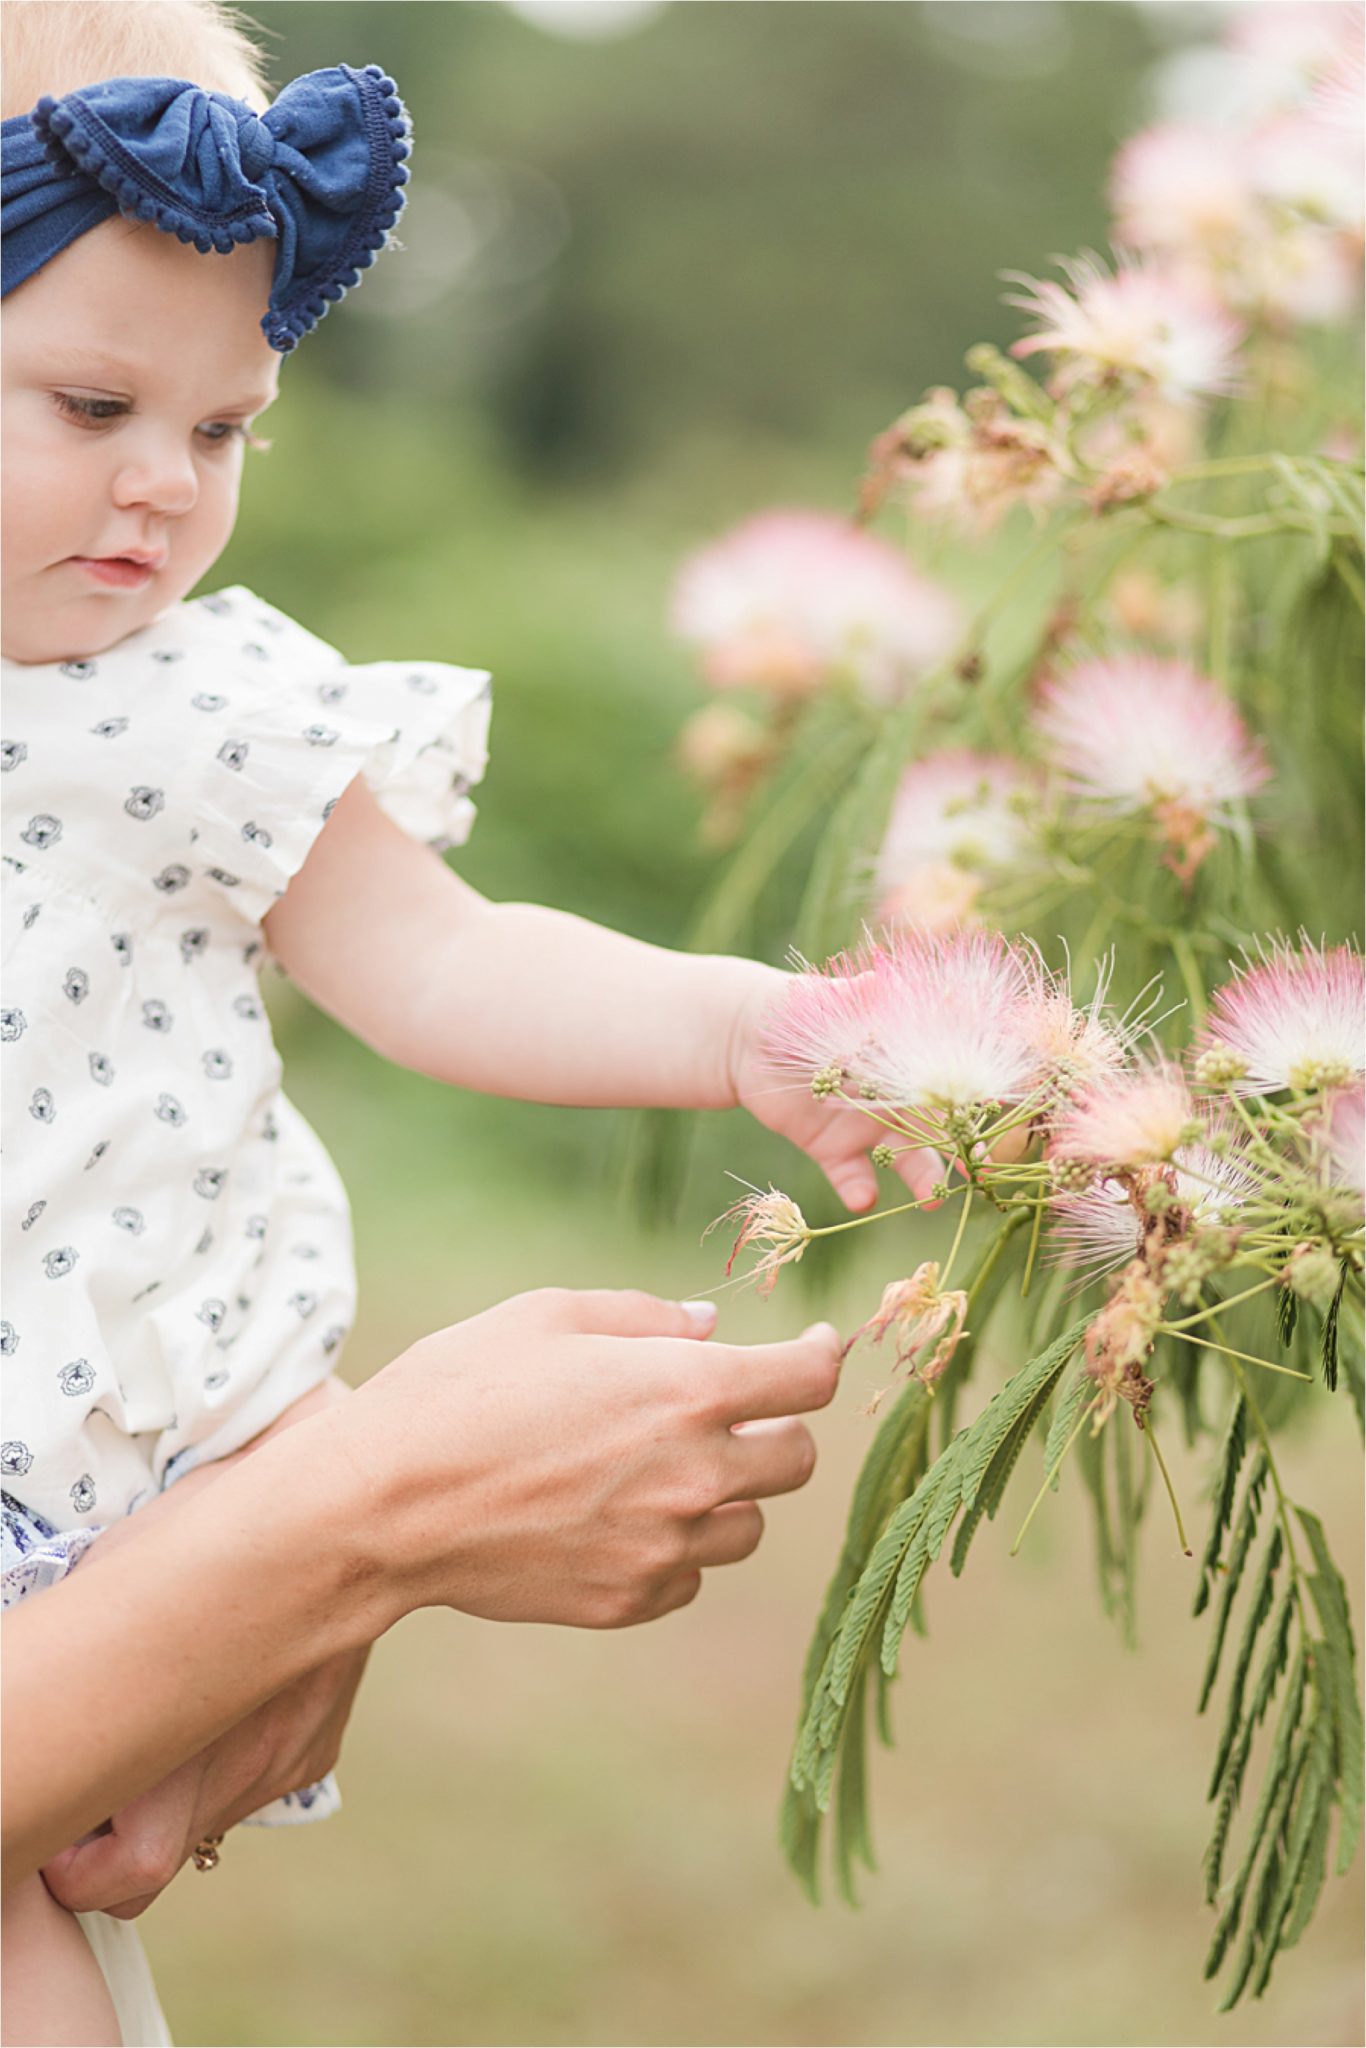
pixel 177 1245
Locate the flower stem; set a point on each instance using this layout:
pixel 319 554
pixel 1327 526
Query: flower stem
pixel 1217 1308
pixel 1171 1490
pixel 1052 1474
pixel 1209 1344
pixel 968 1192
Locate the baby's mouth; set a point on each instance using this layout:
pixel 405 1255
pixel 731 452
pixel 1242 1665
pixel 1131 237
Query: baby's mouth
pixel 120 572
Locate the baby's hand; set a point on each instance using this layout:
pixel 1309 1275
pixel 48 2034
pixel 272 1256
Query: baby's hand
pixel 838 1138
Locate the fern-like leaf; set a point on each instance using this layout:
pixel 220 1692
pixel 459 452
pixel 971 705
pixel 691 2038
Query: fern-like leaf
pixel 1237 1557
pixel 1225 1487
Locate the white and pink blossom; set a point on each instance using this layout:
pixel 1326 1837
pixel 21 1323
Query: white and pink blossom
pixel 1100 1228
pixel 927 1022
pixel 1137 324
pixel 1294 1019
pixel 1347 1139
pixel 1134 733
pixel 1140 1118
pixel 790 601
pixel 958 818
pixel 1182 188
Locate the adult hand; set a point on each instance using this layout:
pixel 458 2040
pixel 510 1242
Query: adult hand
pixel 580 1457
pixel 290 1742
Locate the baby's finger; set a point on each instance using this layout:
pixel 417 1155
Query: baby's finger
pixel 855 1182
pixel 727 1534
pixel 921 1170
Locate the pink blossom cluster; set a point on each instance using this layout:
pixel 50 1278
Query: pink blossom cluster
pixel 1259 206
pixel 937 1028
pixel 791 601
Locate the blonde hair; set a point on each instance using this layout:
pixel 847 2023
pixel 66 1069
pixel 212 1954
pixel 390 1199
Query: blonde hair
pixel 54 46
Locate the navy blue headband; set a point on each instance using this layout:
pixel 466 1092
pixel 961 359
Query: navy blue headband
pixel 321 173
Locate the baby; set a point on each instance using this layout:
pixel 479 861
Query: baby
pixel 194 785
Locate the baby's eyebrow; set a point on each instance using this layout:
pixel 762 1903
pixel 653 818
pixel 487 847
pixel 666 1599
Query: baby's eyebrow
pixel 106 367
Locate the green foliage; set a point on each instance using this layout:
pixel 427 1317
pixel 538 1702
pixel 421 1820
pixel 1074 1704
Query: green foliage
pixel 871 1597
pixel 1314 1764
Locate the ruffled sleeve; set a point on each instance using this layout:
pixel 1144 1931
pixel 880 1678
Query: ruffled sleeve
pixel 304 728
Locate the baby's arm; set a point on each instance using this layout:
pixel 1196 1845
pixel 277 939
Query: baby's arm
pixel 508 998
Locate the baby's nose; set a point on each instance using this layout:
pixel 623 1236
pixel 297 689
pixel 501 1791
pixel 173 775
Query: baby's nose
pixel 160 473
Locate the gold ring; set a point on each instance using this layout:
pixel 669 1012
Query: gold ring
pixel 205 1853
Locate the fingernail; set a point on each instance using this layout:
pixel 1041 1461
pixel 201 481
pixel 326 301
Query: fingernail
pixel 703 1313
pixel 825 1330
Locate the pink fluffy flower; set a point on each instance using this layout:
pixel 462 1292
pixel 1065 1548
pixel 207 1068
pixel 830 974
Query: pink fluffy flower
pixel 1136 325
pixel 928 1022
pixel 790 600
pixel 1181 187
pixel 1295 1019
pixel 958 817
pixel 1102 1227
pixel 1347 1139
pixel 1134 733
pixel 1134 1119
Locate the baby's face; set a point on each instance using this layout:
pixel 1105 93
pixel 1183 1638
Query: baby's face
pixel 133 368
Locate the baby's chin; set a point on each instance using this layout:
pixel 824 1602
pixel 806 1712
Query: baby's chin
pixel 80 628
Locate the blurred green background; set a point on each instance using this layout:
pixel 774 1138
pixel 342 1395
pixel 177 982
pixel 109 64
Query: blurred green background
pixel 655 280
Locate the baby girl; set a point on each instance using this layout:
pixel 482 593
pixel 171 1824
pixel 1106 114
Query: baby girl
pixel 196 785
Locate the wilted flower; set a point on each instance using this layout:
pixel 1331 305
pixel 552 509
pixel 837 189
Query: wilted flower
pixel 957 818
pixel 968 464
pixel 1134 1119
pixel 773 1220
pixel 1136 733
pixel 930 1022
pixel 790 600
pixel 1120 1339
pixel 1169 613
pixel 1136 324
pixel 921 1314
pixel 728 752
pixel 1294 1019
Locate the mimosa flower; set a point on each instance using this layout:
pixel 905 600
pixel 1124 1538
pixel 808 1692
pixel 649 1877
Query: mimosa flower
pixel 1135 1119
pixel 1310 168
pixel 1180 188
pixel 1135 324
pixel 1107 1224
pixel 936 1023
pixel 959 812
pixel 1078 1049
pixel 790 600
pixel 1347 1139
pixel 921 1314
pixel 1135 733
pixel 772 1220
pixel 1302 40
pixel 1294 1019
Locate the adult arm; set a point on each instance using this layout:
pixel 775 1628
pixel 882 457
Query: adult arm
pixel 563 1457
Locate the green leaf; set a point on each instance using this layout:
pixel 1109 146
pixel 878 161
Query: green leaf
pixel 1328 1355
pixel 853 1841
pixel 1259 1608
pixel 1076 1389
pixel 1237 1558
pixel 836 893
pixel 1226 1485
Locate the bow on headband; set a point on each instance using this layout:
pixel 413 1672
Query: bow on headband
pixel 321 173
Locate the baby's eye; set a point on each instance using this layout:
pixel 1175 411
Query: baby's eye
pixel 89 412
pixel 219 433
